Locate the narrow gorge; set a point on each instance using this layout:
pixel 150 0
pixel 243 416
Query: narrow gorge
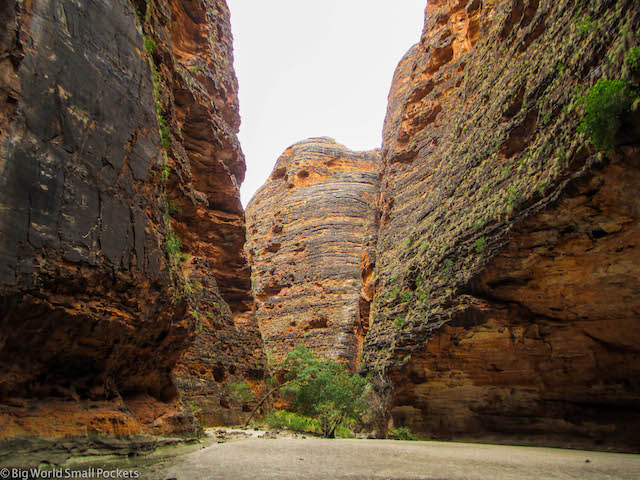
pixel 485 259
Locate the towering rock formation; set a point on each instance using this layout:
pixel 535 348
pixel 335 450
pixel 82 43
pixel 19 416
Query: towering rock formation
pixel 309 232
pixel 121 229
pixel 508 261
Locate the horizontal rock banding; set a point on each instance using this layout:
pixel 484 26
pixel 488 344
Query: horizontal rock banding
pixel 305 232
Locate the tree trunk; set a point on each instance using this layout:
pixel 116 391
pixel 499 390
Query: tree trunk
pixel 271 392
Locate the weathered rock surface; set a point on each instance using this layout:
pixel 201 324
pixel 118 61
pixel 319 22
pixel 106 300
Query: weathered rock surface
pixel 506 298
pixel 207 168
pixel 117 136
pixel 309 231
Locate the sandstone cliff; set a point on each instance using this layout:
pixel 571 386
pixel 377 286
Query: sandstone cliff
pixel 309 241
pixel 506 299
pixel 121 229
pixel 502 256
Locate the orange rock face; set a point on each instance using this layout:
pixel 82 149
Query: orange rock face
pixel 308 238
pixel 507 259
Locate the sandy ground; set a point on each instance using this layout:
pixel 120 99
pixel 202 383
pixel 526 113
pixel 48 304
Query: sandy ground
pixel 315 458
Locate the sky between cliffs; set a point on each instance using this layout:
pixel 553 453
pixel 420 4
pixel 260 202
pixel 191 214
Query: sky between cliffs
pixel 315 68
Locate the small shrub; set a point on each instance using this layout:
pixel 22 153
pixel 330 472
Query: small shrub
pixel 606 103
pixel 402 433
pixel 165 131
pixel 586 26
pixel 406 297
pixel 150 46
pixel 240 392
pixel 481 244
pixel 633 57
pixel 164 174
pixel 282 419
pixel 399 322
pixel 344 432
pixel 172 245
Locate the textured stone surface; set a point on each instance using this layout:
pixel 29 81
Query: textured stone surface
pixel 207 168
pixel 94 313
pixel 506 277
pixel 308 234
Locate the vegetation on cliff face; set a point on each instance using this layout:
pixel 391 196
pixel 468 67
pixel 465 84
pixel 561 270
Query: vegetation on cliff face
pixel 485 280
pixel 606 106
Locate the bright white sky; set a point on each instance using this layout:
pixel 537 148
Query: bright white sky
pixel 313 69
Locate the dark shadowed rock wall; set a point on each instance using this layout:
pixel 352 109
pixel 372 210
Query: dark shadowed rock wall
pixel 121 229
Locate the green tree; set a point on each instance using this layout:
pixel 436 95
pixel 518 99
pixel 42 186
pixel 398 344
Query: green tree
pixel 324 389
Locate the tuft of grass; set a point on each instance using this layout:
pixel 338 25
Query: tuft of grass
pixel 402 433
pixel 344 432
pixel 586 26
pixel 406 297
pixel 606 104
pixel 633 58
pixel 282 419
pixel 399 322
pixel 165 131
pixel 481 244
pixel 150 46
pixel 164 174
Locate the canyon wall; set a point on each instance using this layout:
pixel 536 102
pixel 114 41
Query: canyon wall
pixel 309 241
pixel 506 300
pixel 121 229
pixel 499 261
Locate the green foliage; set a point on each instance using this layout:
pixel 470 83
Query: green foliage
pixel 481 244
pixel 150 46
pixel 402 433
pixel 323 389
pixel 344 432
pixel 164 174
pixel 172 245
pixel 240 392
pixel 282 419
pixel 542 186
pixel 406 297
pixel 165 131
pixel 448 271
pixel 399 322
pixel 560 68
pixel 606 104
pixel 633 57
pixel 513 197
pixel 586 26
pixel 478 224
